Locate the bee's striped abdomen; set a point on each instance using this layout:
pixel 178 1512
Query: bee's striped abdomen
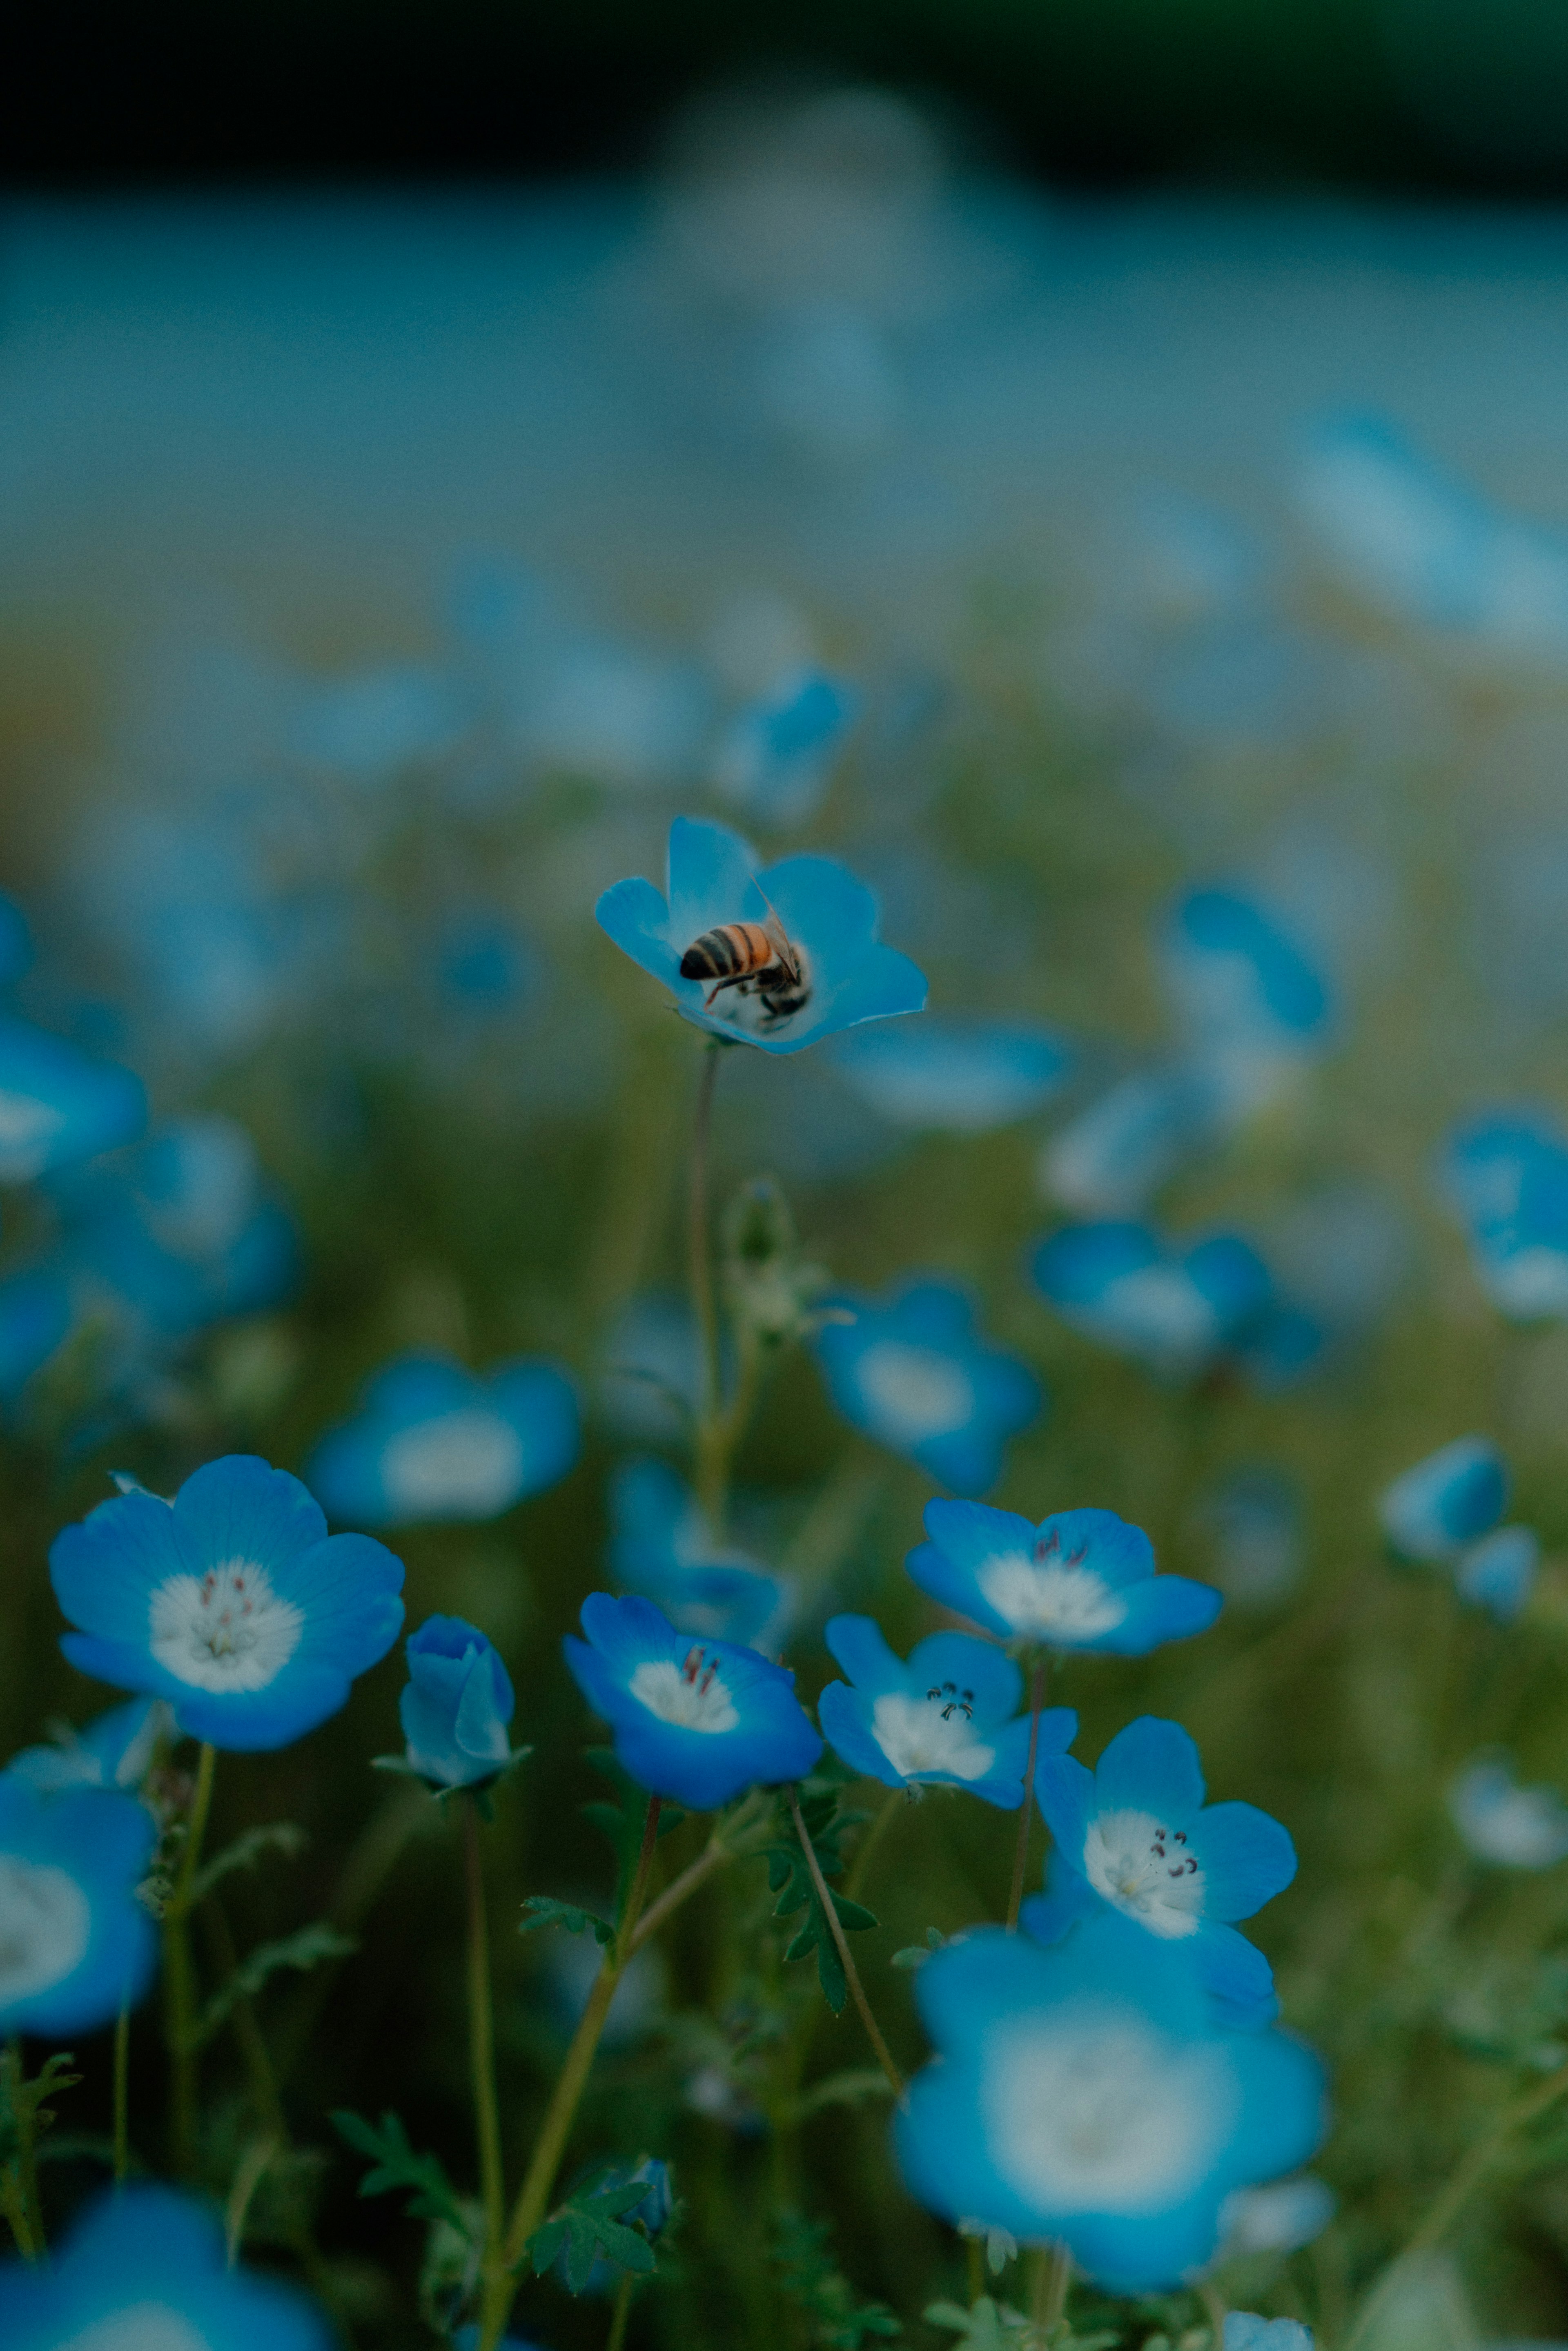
pixel 724 954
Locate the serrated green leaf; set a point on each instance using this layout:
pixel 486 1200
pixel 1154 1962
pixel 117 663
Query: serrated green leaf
pixel 304 1949
pixel 589 2229
pixel 544 1910
pixel 852 2087
pixel 276 1836
pixel 431 2194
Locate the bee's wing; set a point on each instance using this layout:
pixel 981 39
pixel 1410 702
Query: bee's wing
pixel 787 954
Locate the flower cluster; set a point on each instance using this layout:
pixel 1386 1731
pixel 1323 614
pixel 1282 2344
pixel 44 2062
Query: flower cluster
pixel 1444 1513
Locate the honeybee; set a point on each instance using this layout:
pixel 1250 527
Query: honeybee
pixel 758 959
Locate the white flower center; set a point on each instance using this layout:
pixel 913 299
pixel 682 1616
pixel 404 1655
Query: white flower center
pixel 931 1734
pixel 692 1696
pixel 227 1630
pixel 144 2326
pixel 469 1462
pixel 27 1127
pixel 46 1922
pixel 914 1391
pixel 1146 1870
pixel 1518 1828
pixel 1050 1594
pixel 1092 2109
pixel 1164 1313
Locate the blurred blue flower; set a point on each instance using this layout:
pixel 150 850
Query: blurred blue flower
pixel 662 1546
pixel 1501 1823
pixel 946 1718
pixel 1135 1832
pixel 1506 1176
pixel 1253 1520
pixel 372 723
pixel 827 915
pixel 433 1441
pixel 1279 2219
pixel 482 964
pixel 695 1720
pixel 457 1705
pixel 1244 2331
pixel 650 2213
pixel 910 1370
pixel 1081 1580
pixel 1176 1314
pixel 147 2270
pixel 113 1750
pixel 1250 1000
pixel 1498 1573
pixel 651 1369
pixel 57 1103
pixel 775 758
pixel 1086 2093
pixel 232 1601
pixel 964 1077
pixel 1114 1156
pixel 1446 1501
pixel 76 1947
pixel 16 941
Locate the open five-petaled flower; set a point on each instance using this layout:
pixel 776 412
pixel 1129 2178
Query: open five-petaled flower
pixel 947 1716
pixel 232 1601
pixel 1079 1579
pixel 827 918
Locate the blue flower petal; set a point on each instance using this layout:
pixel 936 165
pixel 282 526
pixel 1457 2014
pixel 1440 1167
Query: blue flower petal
pixel 1247 1859
pixel 859 1644
pixel 983 1669
pixel 1153 1766
pixel 1065 1792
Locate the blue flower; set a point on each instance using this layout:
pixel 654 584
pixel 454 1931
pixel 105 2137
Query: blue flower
pixel 910 1371
pixel 1114 1156
pixel 776 756
pixel 77 1947
pixel 662 1546
pixel 232 1601
pixel 114 1750
pixel 147 2270
pixel 1176 1314
pixel 827 915
pixel 457 1705
pixel 1506 1175
pixel 1081 1580
pixel 1087 2094
pixel 1501 1823
pixel 434 1441
pixel 947 1718
pixel 965 1077
pixel 1279 2219
pixel 1498 1573
pixel 57 1103
pixel 1135 1833
pixel 695 1720
pixel 1446 1501
pixel 1252 1000
pixel 1245 2331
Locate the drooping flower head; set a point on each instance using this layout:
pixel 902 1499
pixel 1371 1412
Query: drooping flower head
pixel 75 1945
pixel 959 1077
pixel 827 916
pixel 457 1705
pixel 1505 1825
pixel 232 1601
pixel 697 1720
pixel 662 1546
pixel 1079 1580
pixel 433 1441
pixel 946 1718
pixel 1135 1834
pixel 1088 2094
pixel 113 1750
pixel 911 1370
pixel 147 2270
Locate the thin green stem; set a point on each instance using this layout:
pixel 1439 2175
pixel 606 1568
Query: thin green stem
pixel 533 2197
pixel 482 2042
pixel 373 1856
pixel 974 2259
pixel 616 2337
pixel 709 1426
pixel 852 1973
pixel 180 1979
pixel 1026 1809
pixel 122 2097
pixel 22 2206
pixel 719 1848
pixel 1213 2303
pixel 896 1801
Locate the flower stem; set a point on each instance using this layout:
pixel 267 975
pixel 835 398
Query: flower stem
pixel 895 1801
pixel 122 2097
pixel 180 1979
pixel 533 2197
pixel 852 1973
pixel 714 1855
pixel 482 2042
pixel 711 1462
pixel 617 2334
pixel 1026 1809
pixel 1213 2303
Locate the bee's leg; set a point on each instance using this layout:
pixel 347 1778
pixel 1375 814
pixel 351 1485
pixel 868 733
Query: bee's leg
pixel 741 979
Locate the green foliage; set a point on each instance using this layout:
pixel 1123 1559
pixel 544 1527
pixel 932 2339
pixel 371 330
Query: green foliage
pixel 988 2326
pixel 276 1836
pixel 836 2319
pixel 590 2227
pixel 304 1949
pixel 767 1285
pixel 544 1910
pixel 24 2117
pixel 431 2195
pixel 790 1877
pixel 852 2087
pixel 915 1955
pixel 624 1822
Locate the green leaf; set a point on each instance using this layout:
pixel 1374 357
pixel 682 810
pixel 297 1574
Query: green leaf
pixel 276 1836
pixel 790 1877
pixel 544 1910
pixel 836 2320
pixel 431 2195
pixel 915 1955
pixel 851 2088
pixel 589 2229
pixel 22 2108
pixel 304 1949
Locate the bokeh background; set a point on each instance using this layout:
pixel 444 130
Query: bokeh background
pixel 425 442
